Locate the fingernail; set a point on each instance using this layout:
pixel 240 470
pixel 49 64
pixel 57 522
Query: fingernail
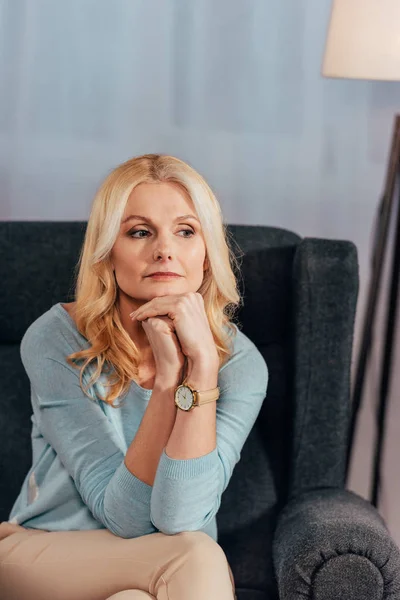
pixel 133 314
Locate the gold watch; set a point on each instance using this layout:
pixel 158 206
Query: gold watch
pixel 187 398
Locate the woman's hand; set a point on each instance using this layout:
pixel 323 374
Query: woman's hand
pixel 187 317
pixel 7 529
pixel 168 355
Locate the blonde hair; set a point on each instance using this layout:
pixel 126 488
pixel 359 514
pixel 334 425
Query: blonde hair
pixel 96 313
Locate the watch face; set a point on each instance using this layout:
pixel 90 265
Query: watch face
pixel 184 397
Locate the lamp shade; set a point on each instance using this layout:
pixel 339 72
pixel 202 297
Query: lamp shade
pixel 363 40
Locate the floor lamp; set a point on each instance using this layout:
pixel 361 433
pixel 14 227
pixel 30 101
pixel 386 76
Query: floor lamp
pixel 363 42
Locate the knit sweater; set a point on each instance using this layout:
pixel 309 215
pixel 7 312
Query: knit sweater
pixel 78 479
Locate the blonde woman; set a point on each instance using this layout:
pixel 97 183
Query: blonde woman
pixel 143 394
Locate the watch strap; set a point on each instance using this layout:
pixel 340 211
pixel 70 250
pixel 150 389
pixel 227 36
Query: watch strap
pixel 204 396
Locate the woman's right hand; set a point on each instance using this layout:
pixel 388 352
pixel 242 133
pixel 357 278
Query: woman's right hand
pixel 168 356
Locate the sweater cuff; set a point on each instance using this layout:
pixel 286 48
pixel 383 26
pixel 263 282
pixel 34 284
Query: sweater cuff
pixel 187 468
pixel 130 484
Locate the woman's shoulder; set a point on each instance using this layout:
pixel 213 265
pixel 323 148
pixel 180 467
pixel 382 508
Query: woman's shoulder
pixel 53 332
pixel 244 349
pixel 69 307
pixel 246 366
pixel 241 342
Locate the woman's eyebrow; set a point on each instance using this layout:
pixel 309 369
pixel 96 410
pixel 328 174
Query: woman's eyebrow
pixel 141 218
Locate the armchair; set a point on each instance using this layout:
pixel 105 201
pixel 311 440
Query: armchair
pixel 287 525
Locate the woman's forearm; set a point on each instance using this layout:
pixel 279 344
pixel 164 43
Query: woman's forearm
pixel 183 434
pixel 143 454
pixel 194 432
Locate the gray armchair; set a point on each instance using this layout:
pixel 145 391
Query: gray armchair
pixel 287 525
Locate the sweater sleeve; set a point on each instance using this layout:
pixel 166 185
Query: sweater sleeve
pixel 85 440
pixel 186 493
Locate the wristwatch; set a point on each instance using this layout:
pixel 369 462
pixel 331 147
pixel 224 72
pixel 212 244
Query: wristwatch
pixel 187 398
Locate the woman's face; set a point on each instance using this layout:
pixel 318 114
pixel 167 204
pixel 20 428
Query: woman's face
pixel 158 241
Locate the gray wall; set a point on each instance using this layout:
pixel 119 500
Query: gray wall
pixel 233 87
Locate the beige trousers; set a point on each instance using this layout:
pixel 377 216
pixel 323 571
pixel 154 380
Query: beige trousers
pixel 98 565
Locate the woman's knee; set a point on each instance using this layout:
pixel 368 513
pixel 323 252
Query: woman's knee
pixel 197 544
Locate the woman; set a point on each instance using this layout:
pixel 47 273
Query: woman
pixel 143 393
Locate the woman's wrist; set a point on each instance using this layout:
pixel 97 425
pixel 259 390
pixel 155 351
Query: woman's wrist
pixel 203 367
pixel 203 378
pixel 166 382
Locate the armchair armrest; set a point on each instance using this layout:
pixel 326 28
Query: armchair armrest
pixel 331 544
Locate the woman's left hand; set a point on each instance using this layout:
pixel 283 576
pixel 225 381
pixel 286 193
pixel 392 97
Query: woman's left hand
pixel 7 529
pixel 190 321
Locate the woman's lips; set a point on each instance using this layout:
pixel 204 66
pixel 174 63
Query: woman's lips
pixel 164 276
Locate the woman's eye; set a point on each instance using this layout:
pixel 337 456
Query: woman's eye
pixel 188 231
pixel 130 233
pixel 137 231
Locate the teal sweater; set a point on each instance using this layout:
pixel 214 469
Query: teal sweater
pixel 78 479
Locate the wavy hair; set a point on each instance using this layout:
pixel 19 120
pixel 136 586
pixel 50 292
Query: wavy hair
pixel 112 351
